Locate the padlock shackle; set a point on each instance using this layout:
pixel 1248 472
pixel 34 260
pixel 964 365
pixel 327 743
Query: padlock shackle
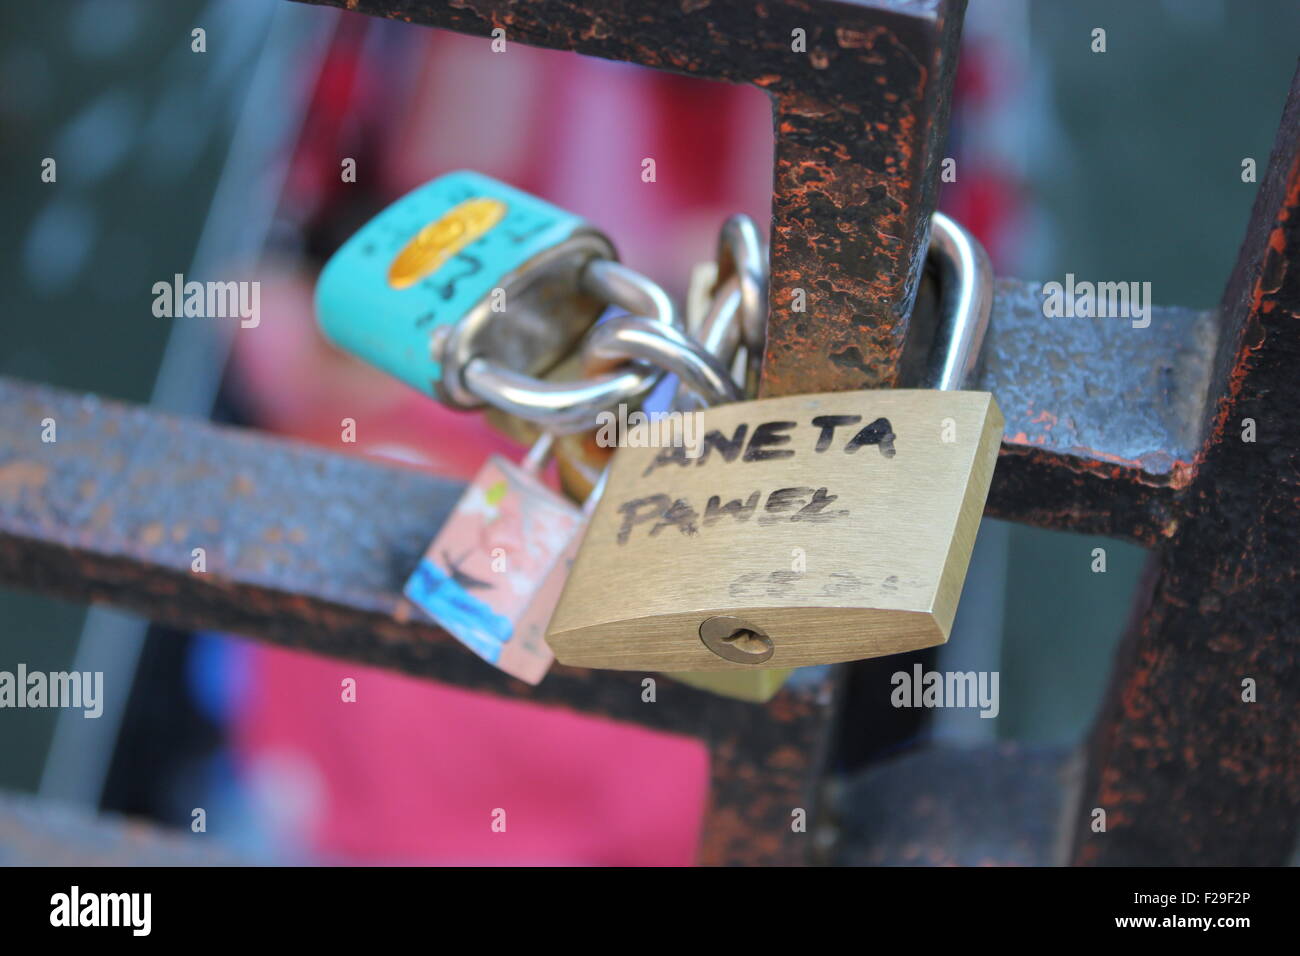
pixel 619 338
pixel 538 453
pixel 565 406
pixel 966 299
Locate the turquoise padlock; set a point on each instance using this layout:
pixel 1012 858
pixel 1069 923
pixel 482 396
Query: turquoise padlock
pixel 462 267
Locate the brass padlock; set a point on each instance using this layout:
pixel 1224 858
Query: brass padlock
pixel 808 529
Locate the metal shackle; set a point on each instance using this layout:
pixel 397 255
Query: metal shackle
pixel 965 278
pixel 965 301
pixel 737 312
pixel 637 338
pixel 561 406
pixel 742 271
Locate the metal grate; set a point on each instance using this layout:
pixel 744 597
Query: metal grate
pixel 298 554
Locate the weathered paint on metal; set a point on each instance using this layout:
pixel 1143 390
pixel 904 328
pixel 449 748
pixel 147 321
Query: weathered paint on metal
pixel 1102 419
pixel 1187 770
pixel 1146 448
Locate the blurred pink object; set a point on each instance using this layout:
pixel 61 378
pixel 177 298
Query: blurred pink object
pixel 413 771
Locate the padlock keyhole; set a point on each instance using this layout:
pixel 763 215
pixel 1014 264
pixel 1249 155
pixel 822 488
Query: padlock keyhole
pixel 735 640
pixel 747 642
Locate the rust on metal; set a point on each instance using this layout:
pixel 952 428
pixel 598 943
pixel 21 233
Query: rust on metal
pixel 859 119
pixel 1194 758
pixel 307 548
pixel 1094 444
pixel 301 546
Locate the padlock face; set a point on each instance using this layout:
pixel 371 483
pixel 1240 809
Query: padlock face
pixel 813 528
pixel 462 245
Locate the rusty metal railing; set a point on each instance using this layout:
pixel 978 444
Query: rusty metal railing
pixel 1145 449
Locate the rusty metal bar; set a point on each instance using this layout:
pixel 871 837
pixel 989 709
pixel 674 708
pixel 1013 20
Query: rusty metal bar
pixel 1099 446
pixel 284 522
pixel 1102 420
pixel 1186 770
pixel 859 118
pixel 302 547
pixel 308 548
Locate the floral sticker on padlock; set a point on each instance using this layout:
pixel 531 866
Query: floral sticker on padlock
pixel 480 575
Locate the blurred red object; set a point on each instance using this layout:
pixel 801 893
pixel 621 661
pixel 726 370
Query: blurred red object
pixel 415 772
